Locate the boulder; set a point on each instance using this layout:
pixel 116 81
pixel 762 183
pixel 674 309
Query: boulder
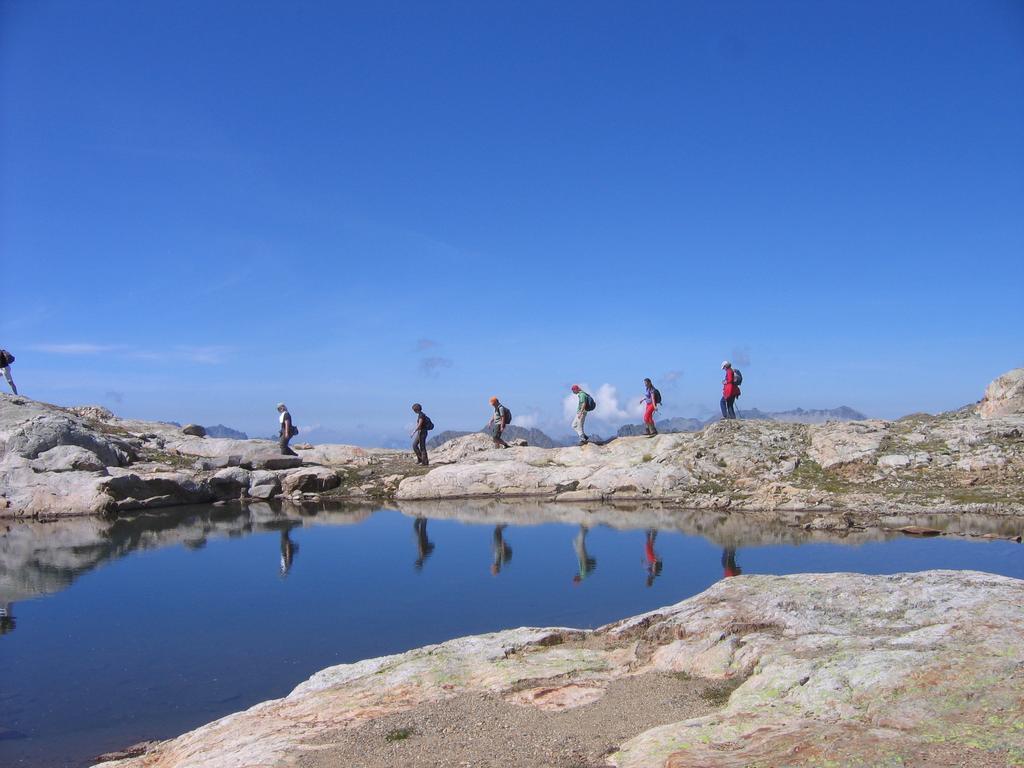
pixel 67 458
pixel 310 480
pixel 230 483
pixel 264 485
pixel 271 461
pixel 195 430
pixel 48 430
pixel 1004 396
pixel 144 490
pixel 217 462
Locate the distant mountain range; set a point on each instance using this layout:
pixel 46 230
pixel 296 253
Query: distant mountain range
pixel 797 415
pixel 219 430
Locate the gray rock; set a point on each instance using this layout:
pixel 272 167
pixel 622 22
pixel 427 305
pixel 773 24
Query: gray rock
pixel 310 480
pixel 1004 396
pixel 264 485
pixel 66 458
pixel 894 461
pixel 230 483
pixel 218 462
pixel 196 430
pixel 154 489
pixel 48 430
pixel 272 461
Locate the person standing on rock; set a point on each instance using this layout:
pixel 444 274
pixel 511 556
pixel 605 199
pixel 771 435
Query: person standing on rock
pixel 729 392
pixel 651 401
pixel 501 418
pixel 419 434
pixel 288 430
pixel 586 403
pixel 6 358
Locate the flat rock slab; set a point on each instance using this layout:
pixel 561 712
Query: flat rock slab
pixel 271 461
pixel 861 670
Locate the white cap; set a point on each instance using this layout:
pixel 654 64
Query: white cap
pixel 282 405
pixel 726 364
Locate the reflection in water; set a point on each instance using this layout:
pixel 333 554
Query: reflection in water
pixel 585 563
pixel 288 551
pixel 424 546
pixel 7 622
pixel 729 567
pixel 500 549
pixel 651 557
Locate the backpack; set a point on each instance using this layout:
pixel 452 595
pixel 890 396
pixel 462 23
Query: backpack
pixel 293 431
pixel 591 404
pixel 427 423
pixel 6 358
pixel 657 396
pixel 506 416
pixel 737 376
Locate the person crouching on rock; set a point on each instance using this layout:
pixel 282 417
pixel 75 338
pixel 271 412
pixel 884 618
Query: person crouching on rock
pixel 502 416
pixel 419 434
pixel 729 392
pixel 288 430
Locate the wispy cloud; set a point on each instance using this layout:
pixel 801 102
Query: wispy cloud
pixel 431 366
pixel 115 396
pixel 422 345
pixel 74 348
pixel 671 377
pixel 741 355
pixel 206 355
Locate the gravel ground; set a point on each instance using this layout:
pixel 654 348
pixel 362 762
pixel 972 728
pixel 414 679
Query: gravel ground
pixel 483 730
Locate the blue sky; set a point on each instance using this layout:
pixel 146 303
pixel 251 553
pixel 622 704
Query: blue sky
pixel 207 207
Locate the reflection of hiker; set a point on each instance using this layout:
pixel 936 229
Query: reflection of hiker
pixel 288 430
pixel 585 562
pixel 730 391
pixel 651 401
pixel 419 434
pixel 7 622
pixel 288 550
pixel 653 561
pixel 501 418
pixel 502 551
pixel 6 358
pixel 729 567
pixel 585 405
pixel 423 545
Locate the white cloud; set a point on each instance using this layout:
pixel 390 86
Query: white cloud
pixel 526 420
pixel 741 355
pixel 671 377
pixel 610 407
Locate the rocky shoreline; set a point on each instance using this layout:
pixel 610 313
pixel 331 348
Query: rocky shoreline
pixel 85 461
pixel 836 669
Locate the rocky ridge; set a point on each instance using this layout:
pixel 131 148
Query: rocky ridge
pixel 64 461
pixel 837 669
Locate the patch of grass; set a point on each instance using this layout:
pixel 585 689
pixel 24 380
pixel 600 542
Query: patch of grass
pixel 171 459
pixel 810 474
pixel 646 457
pixel 398 734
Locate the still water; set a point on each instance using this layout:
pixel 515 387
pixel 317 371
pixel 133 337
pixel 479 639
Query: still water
pixel 147 626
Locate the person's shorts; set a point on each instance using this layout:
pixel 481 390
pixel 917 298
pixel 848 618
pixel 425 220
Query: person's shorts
pixel 496 431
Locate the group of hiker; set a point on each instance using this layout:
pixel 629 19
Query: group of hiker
pixel 501 417
pixel 585 403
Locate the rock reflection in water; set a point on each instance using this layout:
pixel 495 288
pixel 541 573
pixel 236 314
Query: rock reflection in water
pixel 38 558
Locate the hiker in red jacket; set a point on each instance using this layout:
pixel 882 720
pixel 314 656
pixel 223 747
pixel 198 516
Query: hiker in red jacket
pixel 729 392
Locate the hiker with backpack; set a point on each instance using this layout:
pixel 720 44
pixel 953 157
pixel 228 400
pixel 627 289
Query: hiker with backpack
pixel 6 358
pixel 730 390
pixel 502 418
pixel 288 430
pixel 419 434
pixel 651 401
pixel 586 404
